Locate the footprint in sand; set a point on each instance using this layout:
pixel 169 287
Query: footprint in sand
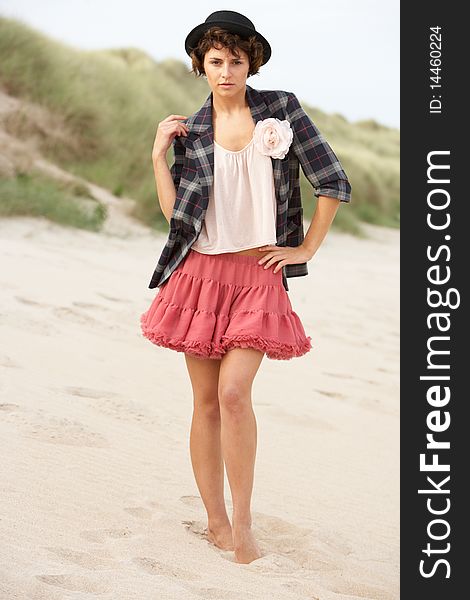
pixel 6 361
pixel 218 594
pixel 331 394
pixel 194 501
pixel 196 527
pixel 48 428
pixel 124 409
pixel 339 375
pixel 9 407
pixel 75 316
pixel 140 512
pixel 90 305
pixel 73 583
pixel 84 559
pixel 199 530
pixel 39 326
pixel 64 431
pixel 278 551
pixel 158 567
pixel 99 536
pixel 117 406
pixel 267 544
pixel 286 548
pixel 30 302
pixel 85 392
pixel 81 314
pixel 360 590
pixel 383 370
pixel 113 298
pixel 145 510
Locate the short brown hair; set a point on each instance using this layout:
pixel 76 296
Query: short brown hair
pixel 219 36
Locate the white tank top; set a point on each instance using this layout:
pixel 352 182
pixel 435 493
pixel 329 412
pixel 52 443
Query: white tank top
pixel 242 207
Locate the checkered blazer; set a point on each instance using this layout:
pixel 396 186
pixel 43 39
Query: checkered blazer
pixel 193 174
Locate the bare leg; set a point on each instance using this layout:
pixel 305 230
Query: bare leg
pixel 239 438
pixel 205 448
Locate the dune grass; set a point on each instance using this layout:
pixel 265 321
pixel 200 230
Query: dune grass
pixel 107 104
pixel 38 195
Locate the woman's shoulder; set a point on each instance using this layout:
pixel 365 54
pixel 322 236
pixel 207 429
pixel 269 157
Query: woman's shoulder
pixel 276 100
pixel 272 94
pixel 280 103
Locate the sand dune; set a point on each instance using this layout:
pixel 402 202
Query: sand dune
pixel 97 492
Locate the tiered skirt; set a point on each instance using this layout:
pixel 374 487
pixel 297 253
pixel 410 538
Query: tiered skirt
pixel 212 303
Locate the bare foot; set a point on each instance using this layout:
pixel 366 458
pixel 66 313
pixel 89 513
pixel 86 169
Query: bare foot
pixel 220 536
pixel 246 548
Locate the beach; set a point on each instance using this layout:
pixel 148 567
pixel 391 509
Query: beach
pixel 98 495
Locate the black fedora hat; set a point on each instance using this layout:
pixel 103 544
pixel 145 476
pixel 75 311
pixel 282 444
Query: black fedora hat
pixel 232 21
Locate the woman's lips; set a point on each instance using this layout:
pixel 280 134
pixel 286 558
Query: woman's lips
pixel 226 84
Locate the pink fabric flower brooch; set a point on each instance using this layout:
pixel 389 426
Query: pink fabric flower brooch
pixel 273 137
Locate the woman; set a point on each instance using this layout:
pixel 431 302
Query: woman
pixel 232 199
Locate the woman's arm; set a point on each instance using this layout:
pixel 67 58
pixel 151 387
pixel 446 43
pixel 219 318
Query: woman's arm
pixel 323 216
pixel 168 180
pixel 317 159
pixel 165 187
pixel 291 255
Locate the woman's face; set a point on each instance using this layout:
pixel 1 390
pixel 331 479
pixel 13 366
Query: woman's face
pixel 221 66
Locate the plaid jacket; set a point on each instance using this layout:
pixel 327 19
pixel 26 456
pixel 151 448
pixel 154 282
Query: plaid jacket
pixel 193 172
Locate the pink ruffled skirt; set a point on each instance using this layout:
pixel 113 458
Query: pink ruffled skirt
pixel 212 303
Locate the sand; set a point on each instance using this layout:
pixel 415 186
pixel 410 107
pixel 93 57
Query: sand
pixel 98 497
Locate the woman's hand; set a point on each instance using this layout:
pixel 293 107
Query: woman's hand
pixel 167 130
pixel 284 255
